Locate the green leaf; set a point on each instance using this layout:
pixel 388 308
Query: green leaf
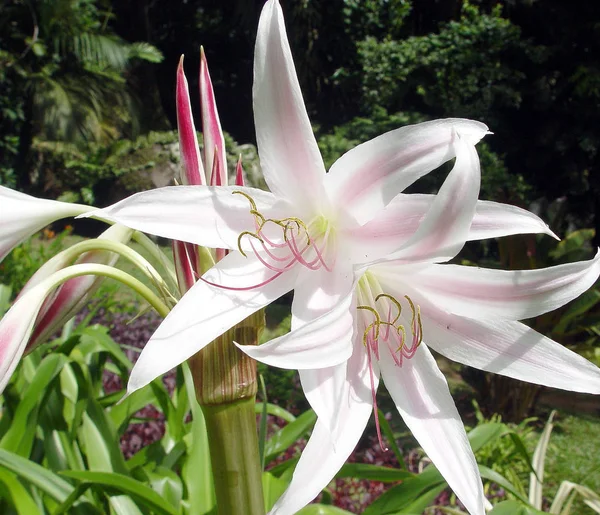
pixel 387 431
pixel 100 441
pixel 121 413
pixel 512 507
pixel 539 457
pixel 373 472
pixel 126 485
pixel 500 480
pixel 486 433
pixel 123 505
pixel 287 436
pixel 262 426
pixel 45 480
pixel 16 494
pixel 197 469
pixel 167 484
pixel 401 496
pixel 276 411
pixel 5 293
pixel 20 435
pixel 579 306
pixel 321 509
pixel 273 487
pixel 424 500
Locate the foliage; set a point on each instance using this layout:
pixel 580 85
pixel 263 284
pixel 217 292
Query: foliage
pixel 102 173
pixel 67 71
pixel 470 68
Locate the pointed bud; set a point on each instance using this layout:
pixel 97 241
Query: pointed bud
pixel 68 299
pixel 211 125
pixel 239 173
pixel 184 265
pixel 17 324
pixel 193 171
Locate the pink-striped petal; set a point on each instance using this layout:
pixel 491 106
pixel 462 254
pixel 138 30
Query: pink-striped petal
pixel 193 171
pixel 400 219
pixel 503 347
pixel 290 159
pixel 324 342
pixel 22 216
pixel 420 392
pixel 214 143
pixel 445 227
pixel 370 175
pixel 317 293
pixel 206 311
pixel 213 217
pixel 484 293
pixel 326 452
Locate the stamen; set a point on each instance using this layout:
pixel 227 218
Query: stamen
pixel 381 329
pixel 292 228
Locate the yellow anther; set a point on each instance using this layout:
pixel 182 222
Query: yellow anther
pixel 400 329
pixel 250 199
pixel 416 324
pixel 377 322
pixel 249 234
pixel 395 302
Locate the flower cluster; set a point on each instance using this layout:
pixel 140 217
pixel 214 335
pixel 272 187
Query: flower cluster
pixel 367 263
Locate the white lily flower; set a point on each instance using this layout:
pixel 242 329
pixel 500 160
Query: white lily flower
pixel 306 233
pixel 22 216
pixel 406 302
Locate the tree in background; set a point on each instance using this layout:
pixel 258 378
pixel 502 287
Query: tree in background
pixel 67 74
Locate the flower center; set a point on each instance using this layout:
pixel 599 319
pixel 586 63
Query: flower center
pixel 280 243
pixel 382 313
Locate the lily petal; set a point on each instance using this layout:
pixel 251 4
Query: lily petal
pixel 507 348
pixel 316 293
pixel 289 155
pixel 209 216
pixel 445 228
pixel 211 126
pixel 494 220
pixel 355 409
pixel 22 215
pixel 370 175
pixel 484 293
pixel 325 342
pixel 422 397
pixel 400 219
pixel 206 311
pixel 193 171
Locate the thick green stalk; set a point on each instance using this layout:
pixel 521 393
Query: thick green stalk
pixel 226 386
pixel 234 457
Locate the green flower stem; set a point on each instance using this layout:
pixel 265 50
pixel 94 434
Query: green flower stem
pixel 100 244
pixel 154 250
pixel 234 456
pixel 226 385
pixel 140 288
